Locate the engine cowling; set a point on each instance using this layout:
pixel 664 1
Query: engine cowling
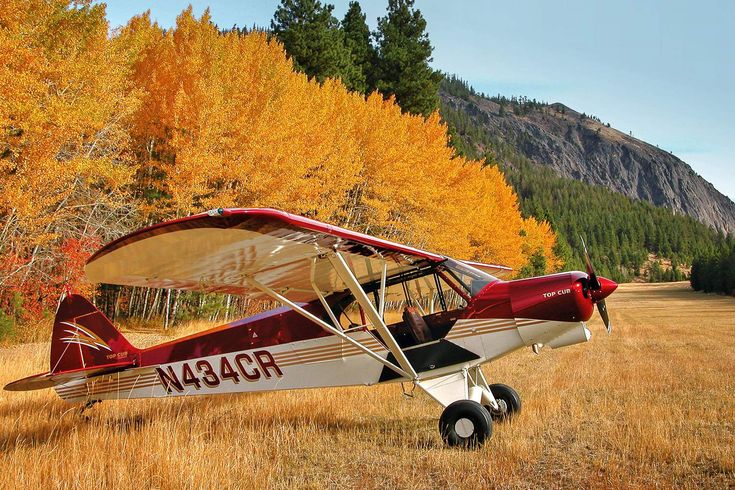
pixel 560 297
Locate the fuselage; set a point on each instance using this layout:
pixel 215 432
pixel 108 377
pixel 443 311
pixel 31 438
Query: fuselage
pixel 280 349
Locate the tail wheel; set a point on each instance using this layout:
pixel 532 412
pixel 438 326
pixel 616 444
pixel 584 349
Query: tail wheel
pixel 509 402
pixel 465 423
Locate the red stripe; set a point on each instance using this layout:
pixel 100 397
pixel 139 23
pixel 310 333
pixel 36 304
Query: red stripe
pixel 466 326
pixel 481 332
pixel 325 357
pixel 91 381
pixel 286 356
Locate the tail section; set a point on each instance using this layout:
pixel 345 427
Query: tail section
pixel 84 344
pixel 83 338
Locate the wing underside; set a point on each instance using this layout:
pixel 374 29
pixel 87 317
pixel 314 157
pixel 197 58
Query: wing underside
pixel 219 251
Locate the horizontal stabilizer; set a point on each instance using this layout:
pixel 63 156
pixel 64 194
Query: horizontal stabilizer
pixel 49 380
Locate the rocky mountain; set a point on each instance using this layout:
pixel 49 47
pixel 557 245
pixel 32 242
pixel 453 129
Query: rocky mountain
pixel 582 147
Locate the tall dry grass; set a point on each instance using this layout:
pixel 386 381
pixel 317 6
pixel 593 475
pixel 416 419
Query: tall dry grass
pixel 651 405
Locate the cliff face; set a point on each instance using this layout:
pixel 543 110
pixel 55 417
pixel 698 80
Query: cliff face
pixel 585 149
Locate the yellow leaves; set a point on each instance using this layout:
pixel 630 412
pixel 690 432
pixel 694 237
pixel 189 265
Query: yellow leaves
pixel 196 119
pixel 233 125
pixel 540 237
pixel 66 101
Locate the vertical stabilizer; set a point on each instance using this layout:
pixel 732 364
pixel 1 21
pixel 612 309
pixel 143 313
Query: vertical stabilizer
pixel 84 338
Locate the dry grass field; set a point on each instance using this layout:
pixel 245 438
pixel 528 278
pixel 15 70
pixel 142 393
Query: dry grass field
pixel 652 405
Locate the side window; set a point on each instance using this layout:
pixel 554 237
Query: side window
pixel 429 294
pixel 465 278
pixel 449 288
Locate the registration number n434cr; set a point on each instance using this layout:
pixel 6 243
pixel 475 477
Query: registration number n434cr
pixel 198 374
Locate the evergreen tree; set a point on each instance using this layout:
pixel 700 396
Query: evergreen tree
pixel 362 52
pixel 620 234
pixel 535 267
pixel 715 273
pixel 404 53
pixel 313 39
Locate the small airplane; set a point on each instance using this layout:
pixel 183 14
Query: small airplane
pixel 336 287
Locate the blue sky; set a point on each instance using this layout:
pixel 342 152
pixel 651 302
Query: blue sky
pixel 664 70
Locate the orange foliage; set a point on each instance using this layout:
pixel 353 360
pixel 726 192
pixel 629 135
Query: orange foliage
pixel 64 101
pixel 231 124
pixel 104 133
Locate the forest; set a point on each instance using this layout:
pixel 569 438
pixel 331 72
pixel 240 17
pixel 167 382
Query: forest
pixel 620 232
pixel 715 273
pixel 104 132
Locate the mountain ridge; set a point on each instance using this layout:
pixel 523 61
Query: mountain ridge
pixel 581 147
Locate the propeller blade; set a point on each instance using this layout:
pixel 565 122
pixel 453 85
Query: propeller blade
pixel 598 290
pixel 587 263
pixel 594 283
pixel 602 308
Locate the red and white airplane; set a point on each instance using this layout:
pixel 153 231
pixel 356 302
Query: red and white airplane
pixel 335 286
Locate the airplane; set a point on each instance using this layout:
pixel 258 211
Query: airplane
pixel 336 288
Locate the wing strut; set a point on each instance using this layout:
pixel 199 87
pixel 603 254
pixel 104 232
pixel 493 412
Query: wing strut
pixel 320 295
pixel 383 278
pixel 344 272
pixel 298 309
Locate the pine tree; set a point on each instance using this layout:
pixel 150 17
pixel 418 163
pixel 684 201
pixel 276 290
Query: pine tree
pixel 404 53
pixel 357 40
pixel 313 39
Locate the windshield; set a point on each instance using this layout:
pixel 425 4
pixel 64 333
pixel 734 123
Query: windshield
pixel 471 279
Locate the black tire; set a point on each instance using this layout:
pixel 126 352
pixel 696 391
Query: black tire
pixel 509 397
pixel 465 423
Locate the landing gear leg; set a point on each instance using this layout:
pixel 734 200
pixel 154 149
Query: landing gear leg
pixel 465 422
pixel 89 404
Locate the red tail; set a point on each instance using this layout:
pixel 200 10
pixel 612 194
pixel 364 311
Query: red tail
pixel 84 338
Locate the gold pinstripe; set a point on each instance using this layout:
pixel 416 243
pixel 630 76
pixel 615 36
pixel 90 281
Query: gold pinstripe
pixel 94 388
pixel 131 388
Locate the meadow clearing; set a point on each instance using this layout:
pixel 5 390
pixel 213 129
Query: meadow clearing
pixel 651 405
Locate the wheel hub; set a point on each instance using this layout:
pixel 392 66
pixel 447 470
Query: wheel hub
pixel 502 406
pixel 464 427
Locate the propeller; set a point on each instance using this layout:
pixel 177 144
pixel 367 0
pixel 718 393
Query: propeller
pixel 599 288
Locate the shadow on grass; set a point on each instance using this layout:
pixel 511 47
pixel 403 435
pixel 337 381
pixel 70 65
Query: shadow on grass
pixel 215 417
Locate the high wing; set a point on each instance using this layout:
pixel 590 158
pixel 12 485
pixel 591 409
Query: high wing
pixel 221 250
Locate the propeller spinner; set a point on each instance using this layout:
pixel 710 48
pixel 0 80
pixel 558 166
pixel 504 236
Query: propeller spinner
pixel 599 288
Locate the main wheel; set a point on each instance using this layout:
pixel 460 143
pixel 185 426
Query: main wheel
pixel 465 423
pixel 508 400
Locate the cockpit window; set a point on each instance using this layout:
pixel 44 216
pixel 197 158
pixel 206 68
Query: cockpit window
pixel 472 280
pixel 447 286
pixel 433 292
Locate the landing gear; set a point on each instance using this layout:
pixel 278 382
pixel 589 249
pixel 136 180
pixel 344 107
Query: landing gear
pixel 509 403
pixel 465 423
pixel 88 405
pixel 472 405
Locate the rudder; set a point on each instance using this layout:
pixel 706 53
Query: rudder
pixel 83 338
